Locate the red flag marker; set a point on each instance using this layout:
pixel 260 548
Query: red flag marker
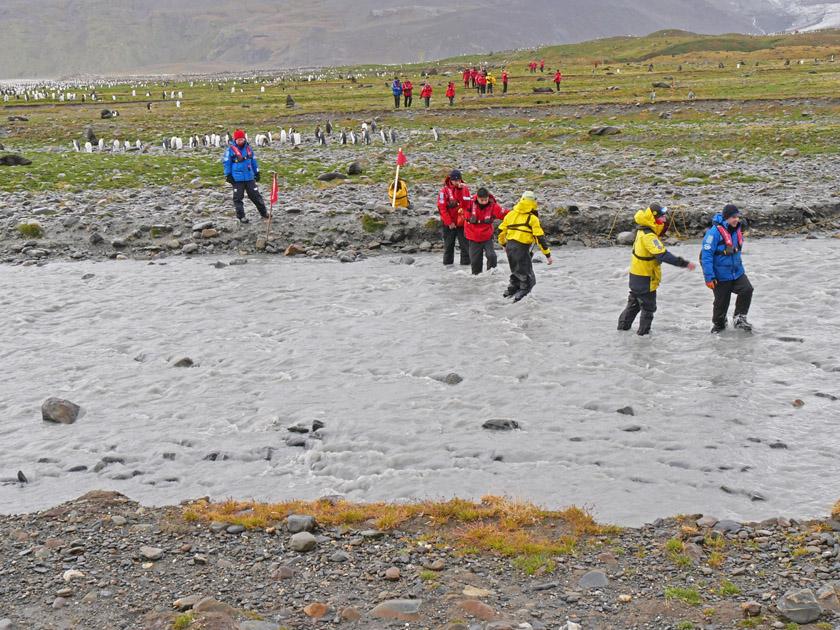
pixel 401 158
pixel 274 189
pixel 400 161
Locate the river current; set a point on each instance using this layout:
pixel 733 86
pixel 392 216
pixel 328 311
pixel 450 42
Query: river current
pixel 364 349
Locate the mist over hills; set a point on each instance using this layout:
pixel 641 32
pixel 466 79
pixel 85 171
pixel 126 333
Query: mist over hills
pixel 55 38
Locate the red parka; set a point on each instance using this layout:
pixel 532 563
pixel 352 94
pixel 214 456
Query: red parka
pixel 558 77
pixel 426 91
pixel 466 75
pixel 478 224
pixel 407 87
pixel 450 90
pixel 452 202
pixel 504 77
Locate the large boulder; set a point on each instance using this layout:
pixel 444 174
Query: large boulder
pixel 59 410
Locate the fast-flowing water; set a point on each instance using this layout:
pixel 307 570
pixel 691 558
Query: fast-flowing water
pixel 364 348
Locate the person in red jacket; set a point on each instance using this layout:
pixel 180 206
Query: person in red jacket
pixel 557 79
pixel 408 86
pixel 473 75
pixel 453 199
pixel 504 81
pixel 426 93
pixel 481 83
pixel 478 229
pixel 542 66
pixel 450 93
pixel 466 76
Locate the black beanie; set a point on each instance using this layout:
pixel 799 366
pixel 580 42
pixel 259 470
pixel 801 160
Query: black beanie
pixel 729 211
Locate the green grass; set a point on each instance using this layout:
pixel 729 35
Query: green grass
pixel 688 596
pixel 183 621
pixel 30 230
pixel 728 588
pixel 369 224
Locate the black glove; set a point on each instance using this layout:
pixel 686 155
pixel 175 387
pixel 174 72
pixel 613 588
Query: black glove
pixel 229 179
pixel 257 176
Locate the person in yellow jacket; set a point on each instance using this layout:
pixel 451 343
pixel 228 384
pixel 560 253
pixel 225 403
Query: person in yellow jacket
pixel 646 267
pixel 402 194
pixel 491 81
pixel 517 234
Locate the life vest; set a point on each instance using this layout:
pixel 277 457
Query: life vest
pixel 248 152
pixel 726 235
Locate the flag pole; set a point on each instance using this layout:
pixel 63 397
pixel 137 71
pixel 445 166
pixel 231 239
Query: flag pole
pixel 396 180
pixel 271 204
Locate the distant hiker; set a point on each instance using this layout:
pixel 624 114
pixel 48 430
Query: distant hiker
pixel 407 88
pixel 402 194
pixel 518 232
pixel 481 82
pixel 646 267
pixel 723 270
pixel 466 77
pixel 241 171
pixel 504 81
pixel 691 95
pixel 478 228
pixel 542 66
pixel 453 200
pixel 450 93
pixel 653 97
pixel 396 88
pixel 558 78
pixel 426 93
pixel 491 81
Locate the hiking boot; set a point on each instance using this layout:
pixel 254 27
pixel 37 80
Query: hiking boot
pixel 264 215
pixel 508 292
pixel 519 295
pixel 716 329
pixel 243 219
pixel 740 321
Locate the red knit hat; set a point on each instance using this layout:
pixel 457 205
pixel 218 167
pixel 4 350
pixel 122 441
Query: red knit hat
pixel 238 134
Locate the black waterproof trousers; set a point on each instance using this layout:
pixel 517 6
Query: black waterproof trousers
pixel 480 249
pixel 743 288
pixel 522 278
pixel 644 302
pixel 408 99
pixel 449 238
pixel 250 187
pixel 397 100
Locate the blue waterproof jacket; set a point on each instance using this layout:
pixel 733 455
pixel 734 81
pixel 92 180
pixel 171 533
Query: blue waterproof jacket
pixel 396 88
pixel 717 264
pixel 244 169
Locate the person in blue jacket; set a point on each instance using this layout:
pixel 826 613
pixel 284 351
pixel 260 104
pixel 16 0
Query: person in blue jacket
pixel 241 171
pixel 396 88
pixel 723 270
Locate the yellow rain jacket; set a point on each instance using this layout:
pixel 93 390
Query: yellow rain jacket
pixel 402 194
pixel 523 225
pixel 649 253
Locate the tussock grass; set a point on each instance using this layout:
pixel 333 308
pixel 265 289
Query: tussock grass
pixel 530 535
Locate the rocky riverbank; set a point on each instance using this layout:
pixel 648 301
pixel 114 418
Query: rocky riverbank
pixel 587 196
pixel 103 561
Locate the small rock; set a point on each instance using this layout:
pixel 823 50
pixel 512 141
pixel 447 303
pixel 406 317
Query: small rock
pixel 627 411
pixel 500 424
pixel 799 606
pixel 208 604
pixel 301 523
pixel 402 609
pixel 316 610
pixel 185 362
pixel 392 574
pixel 185 603
pixel 477 609
pixel 594 579
pixel 302 541
pixel 59 410
pixel 294 250
pixel 151 553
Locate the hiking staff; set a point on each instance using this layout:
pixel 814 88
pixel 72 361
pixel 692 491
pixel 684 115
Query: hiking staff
pixel 271 203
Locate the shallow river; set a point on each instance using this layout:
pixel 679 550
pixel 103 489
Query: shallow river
pixel 364 348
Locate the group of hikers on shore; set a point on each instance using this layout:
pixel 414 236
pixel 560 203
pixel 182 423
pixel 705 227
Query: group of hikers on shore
pixel 469 221
pixel 479 79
